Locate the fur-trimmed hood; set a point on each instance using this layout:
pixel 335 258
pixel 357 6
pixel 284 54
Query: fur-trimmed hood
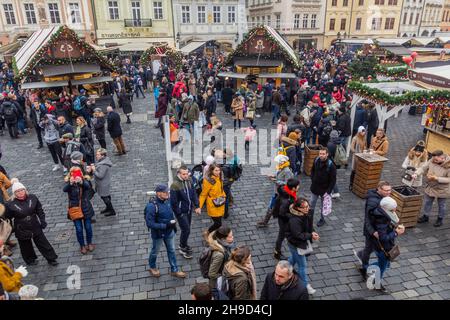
pixel 289 141
pixel 214 244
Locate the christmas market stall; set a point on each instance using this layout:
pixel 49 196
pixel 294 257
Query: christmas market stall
pixel 156 55
pixel 263 54
pixel 56 57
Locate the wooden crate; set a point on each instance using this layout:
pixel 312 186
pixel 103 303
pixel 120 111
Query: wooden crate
pixel 368 173
pixel 408 206
pixel 310 155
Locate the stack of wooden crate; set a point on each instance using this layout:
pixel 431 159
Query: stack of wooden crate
pixel 409 204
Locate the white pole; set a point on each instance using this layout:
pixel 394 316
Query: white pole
pixel 355 101
pixel 168 148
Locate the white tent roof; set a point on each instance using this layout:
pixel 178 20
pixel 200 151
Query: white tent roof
pixel 192 46
pixel 399 41
pixel 424 40
pixel 395 86
pixel 444 39
pixel 441 71
pixel 32 46
pixel 357 41
pixel 283 42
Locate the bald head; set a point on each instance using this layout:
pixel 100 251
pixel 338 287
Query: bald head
pixel 109 109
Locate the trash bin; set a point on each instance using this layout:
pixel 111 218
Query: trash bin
pixel 311 153
pixel 409 204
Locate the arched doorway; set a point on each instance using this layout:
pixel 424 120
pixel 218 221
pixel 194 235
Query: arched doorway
pixel 433 33
pixel 425 33
pixel 405 35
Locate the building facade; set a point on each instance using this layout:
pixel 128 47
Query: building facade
pixel 445 20
pixel 20 18
pixel 134 22
pixel 299 21
pixel 361 19
pixel 220 20
pixel 410 18
pixel 431 18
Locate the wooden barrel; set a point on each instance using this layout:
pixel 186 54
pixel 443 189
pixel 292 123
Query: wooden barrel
pixel 311 153
pixel 409 203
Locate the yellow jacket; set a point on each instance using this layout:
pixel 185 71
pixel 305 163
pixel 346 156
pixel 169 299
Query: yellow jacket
pixel 9 279
pixel 212 189
pixel 4 185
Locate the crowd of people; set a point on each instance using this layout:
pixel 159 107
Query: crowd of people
pixel 318 103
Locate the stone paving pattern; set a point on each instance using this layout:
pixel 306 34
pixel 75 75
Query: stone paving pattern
pixel 117 269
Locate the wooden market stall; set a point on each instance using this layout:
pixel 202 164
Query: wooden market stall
pixel 56 57
pixel 262 54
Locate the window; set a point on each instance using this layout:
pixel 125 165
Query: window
pixel 334 3
pixel 376 23
pixel 411 18
pixel 54 13
pixel 9 13
pixel 30 13
pixel 113 9
pixel 185 14
pixel 345 3
pixel 278 21
pixel 74 12
pixel 392 2
pixel 305 21
pixel 216 14
pixel 136 12
pixel 201 14
pixel 313 21
pixel 258 20
pixel 269 21
pixel 358 23
pixel 297 21
pixel 389 24
pixel 232 14
pixel 343 23
pixel 405 16
pixel 361 3
pixel 332 23
pixel 379 2
pixel 158 10
pixel 263 20
pixel 253 21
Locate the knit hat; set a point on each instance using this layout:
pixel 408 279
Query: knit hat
pixel 361 129
pixel 76 156
pixel 281 159
pixel 334 134
pixel 67 135
pixel 389 205
pixel 209 160
pixel 293 136
pixel 161 188
pixel 16 185
pixel 28 291
pixel 76 172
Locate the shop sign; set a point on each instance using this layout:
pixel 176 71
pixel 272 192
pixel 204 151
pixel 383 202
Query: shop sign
pixel 429 79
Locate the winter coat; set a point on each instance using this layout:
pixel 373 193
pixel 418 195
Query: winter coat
pixel 159 222
pixel 4 185
pixel 360 118
pixel 73 193
pixel 37 115
pixel 99 127
pixel 412 161
pixel 343 124
pixel 28 217
pixel 212 189
pixel 211 104
pixel 294 289
pixel 219 256
pixel 323 177
pixel 290 146
pixel 238 108
pixel 10 280
pixel 183 197
pixel 282 204
pixel 373 200
pixel 51 133
pixel 125 103
pixel 192 87
pixel 300 228
pixel 357 146
pixel 283 176
pixel 86 139
pixel 239 281
pixel 162 106
pixel 178 89
pixel 227 96
pixel 190 113
pixel 380 147
pixel 439 188
pixel 382 224
pixel 102 175
pixel 65 128
pixel 114 127
pixel 14 114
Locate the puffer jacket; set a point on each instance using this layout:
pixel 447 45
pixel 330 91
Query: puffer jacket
pixel 300 228
pixel 294 289
pixel 386 230
pixel 219 256
pixel 158 219
pixel 183 197
pixel 372 202
pixel 212 189
pixel 73 192
pixel 282 204
pixel 439 188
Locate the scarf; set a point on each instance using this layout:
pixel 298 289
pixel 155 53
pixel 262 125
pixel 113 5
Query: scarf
pixel 290 192
pixel 78 132
pixel 281 166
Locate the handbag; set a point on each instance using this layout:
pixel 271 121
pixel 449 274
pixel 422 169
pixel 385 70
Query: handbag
pixel 393 253
pixel 5 230
pixel 309 249
pixel 250 114
pixel 219 201
pixel 75 213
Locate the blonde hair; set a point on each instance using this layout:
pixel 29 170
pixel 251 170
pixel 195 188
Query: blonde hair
pixel 83 121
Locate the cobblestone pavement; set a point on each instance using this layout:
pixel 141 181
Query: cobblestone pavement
pixel 117 269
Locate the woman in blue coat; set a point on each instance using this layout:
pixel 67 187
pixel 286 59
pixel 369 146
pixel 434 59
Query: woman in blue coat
pixel 75 188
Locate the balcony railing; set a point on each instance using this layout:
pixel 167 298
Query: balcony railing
pixel 139 23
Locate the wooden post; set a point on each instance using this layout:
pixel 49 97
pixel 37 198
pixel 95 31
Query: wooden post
pixel 368 173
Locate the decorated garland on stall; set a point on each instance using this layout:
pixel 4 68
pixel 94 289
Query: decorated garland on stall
pixel 173 55
pixel 43 55
pixel 242 48
pixel 433 97
pixel 394 72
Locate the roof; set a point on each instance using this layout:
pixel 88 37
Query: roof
pixel 44 84
pixel 277 75
pixel 357 41
pixel 285 45
pixel 396 50
pixel 257 63
pixel 192 46
pixel 444 39
pixel 130 47
pixel 233 75
pixel 422 40
pixel 441 71
pixel 91 80
pixel 50 71
pixel 394 86
pixel 398 41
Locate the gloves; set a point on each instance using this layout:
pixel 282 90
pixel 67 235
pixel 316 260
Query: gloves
pixel 22 270
pixel 171 224
pixel 43 225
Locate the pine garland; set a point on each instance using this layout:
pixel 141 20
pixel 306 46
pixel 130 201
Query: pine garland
pixel 174 55
pixel 395 72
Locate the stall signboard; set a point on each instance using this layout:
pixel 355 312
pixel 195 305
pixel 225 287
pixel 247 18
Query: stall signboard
pixel 65 49
pixel 431 79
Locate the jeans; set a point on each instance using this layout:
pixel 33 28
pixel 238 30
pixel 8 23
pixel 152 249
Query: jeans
pixel 169 242
pixel 429 204
pixel 300 261
pixel 22 126
pixel 184 221
pixel 382 263
pixel 308 136
pixel 283 227
pixel 139 89
pixel 314 136
pixel 314 199
pixel 79 225
pixel 275 113
pixel 227 190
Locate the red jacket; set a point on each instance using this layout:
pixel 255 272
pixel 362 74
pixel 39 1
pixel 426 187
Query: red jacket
pixel 178 89
pixel 337 95
pixel 172 76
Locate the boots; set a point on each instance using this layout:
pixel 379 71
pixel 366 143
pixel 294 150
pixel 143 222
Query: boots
pixel 278 255
pixel 265 222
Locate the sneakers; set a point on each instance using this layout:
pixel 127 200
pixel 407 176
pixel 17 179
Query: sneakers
pixel 423 219
pixel 186 253
pixel 91 247
pixel 358 258
pixel 83 250
pixel 382 289
pixel 310 289
pixel 321 222
pixel 56 167
pixel 335 195
pixel 178 274
pixel 438 223
pixel 53 263
pixel 154 273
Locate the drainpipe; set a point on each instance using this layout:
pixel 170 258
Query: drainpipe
pixel 95 20
pixel 351 18
pixel 401 18
pixel 173 22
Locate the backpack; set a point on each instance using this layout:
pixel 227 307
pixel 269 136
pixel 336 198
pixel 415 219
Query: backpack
pixel 197 177
pixel 340 158
pixel 237 171
pixel 10 115
pixel 329 163
pixel 205 261
pixel 155 204
pixel 283 150
pixel 222 291
pixel 77 104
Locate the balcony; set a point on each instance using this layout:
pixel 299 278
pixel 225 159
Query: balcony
pixel 137 23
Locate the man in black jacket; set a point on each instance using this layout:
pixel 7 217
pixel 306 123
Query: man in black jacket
pixel 286 196
pixel 37 113
pixel 323 179
pixel 227 97
pixel 11 116
pixel 373 200
pixel 284 284
pixel 115 130
pixel 344 125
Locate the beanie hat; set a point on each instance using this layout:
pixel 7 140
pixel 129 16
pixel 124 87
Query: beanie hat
pixel 209 160
pixel 388 204
pixel 67 135
pixel 361 129
pixel 17 185
pixel 293 136
pixel 334 134
pixel 28 291
pixel 76 156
